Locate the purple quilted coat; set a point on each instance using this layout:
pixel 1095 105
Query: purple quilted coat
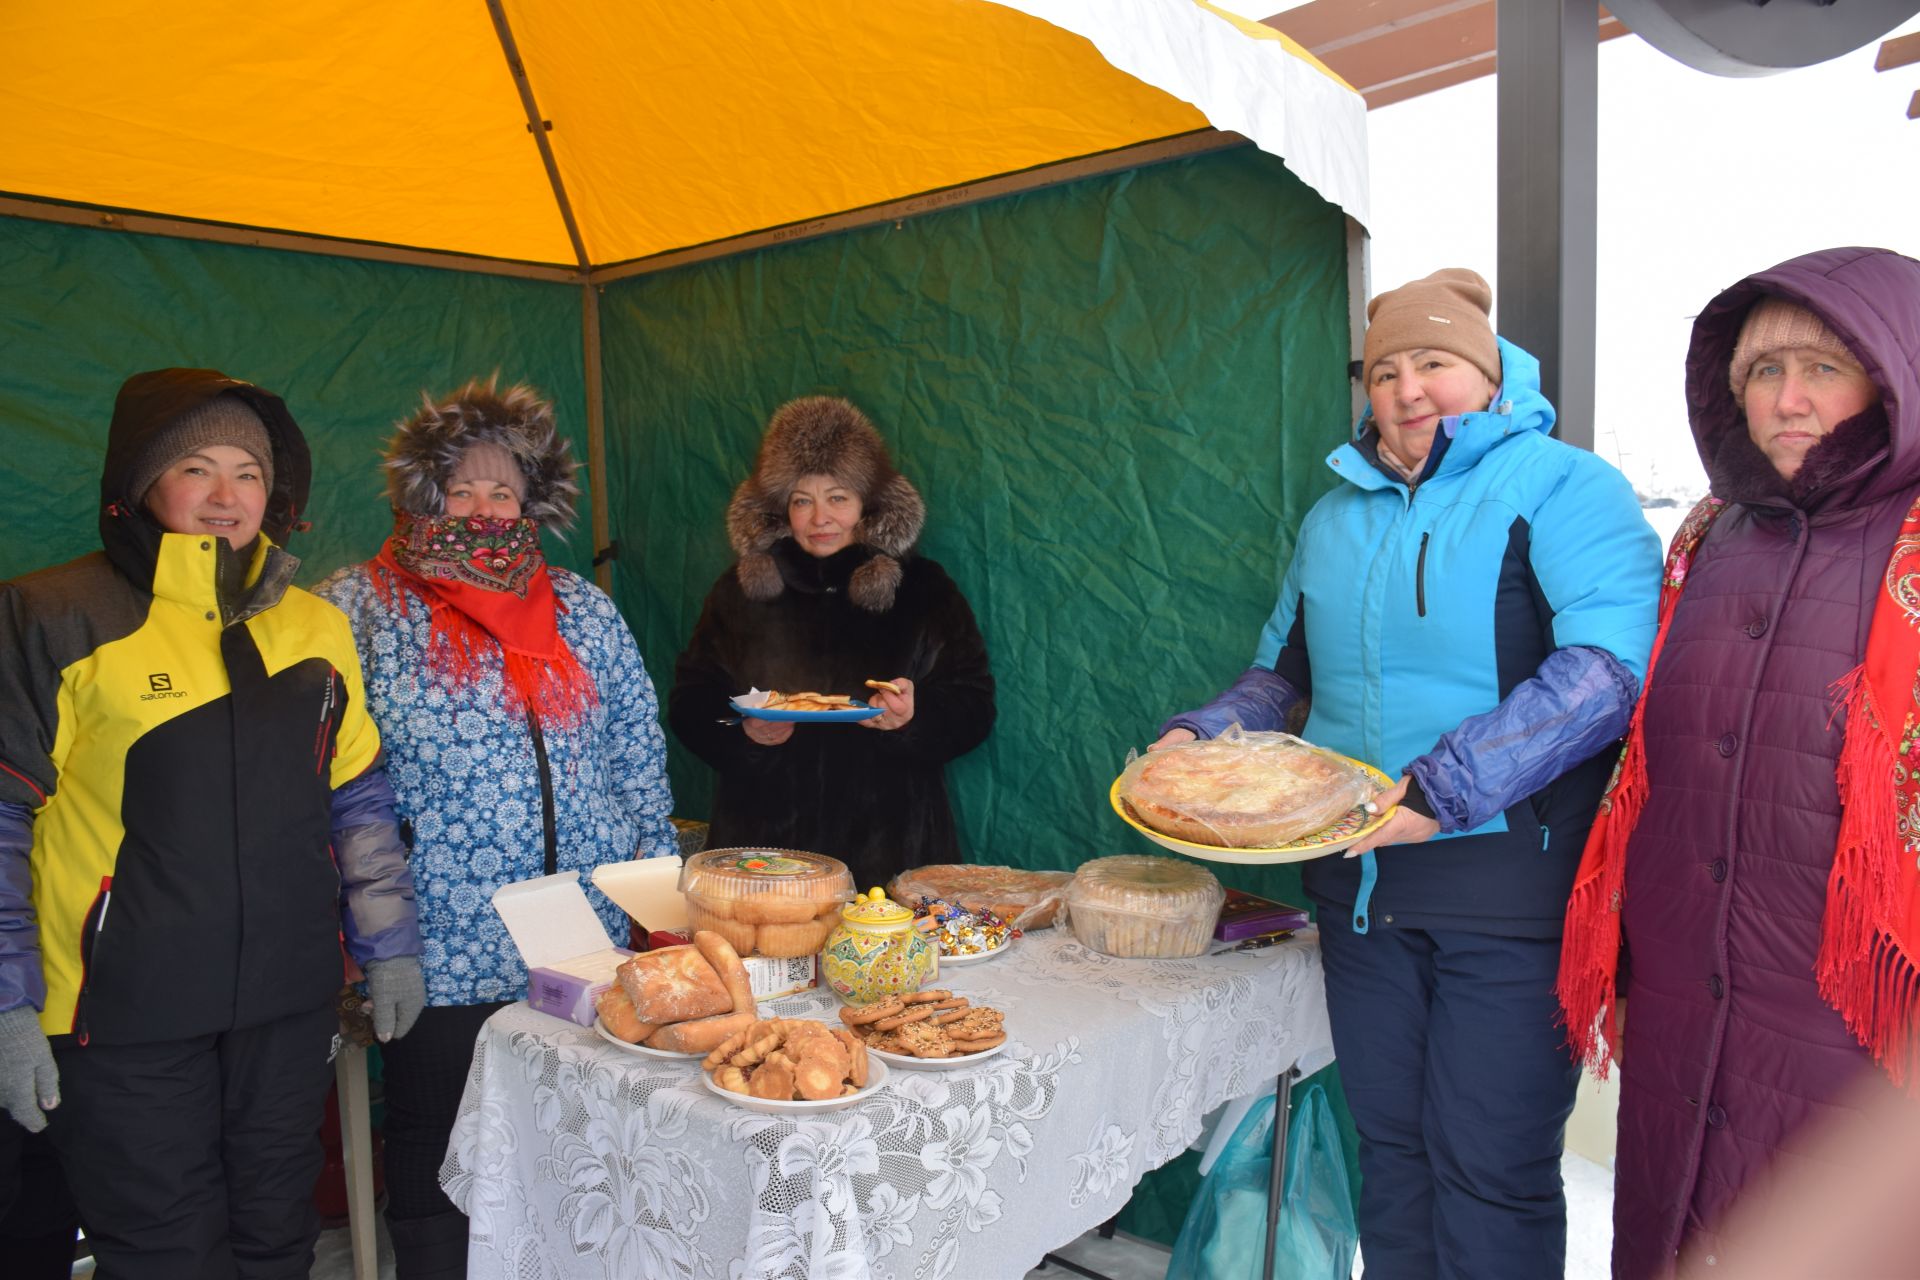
pixel 1730 1052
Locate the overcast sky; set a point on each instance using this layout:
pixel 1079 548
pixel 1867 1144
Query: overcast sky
pixel 1703 180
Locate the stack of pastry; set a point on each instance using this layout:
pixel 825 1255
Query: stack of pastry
pixel 808 701
pixel 789 1060
pixel 684 999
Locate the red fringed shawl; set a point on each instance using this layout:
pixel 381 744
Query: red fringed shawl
pixel 492 601
pixel 1866 967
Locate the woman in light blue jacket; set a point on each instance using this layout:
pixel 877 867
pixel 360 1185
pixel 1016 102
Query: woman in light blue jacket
pixel 1472 609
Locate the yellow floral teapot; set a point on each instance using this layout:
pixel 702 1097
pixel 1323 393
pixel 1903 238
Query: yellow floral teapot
pixel 875 952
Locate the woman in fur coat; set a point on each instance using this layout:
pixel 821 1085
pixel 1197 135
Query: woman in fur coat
pixel 827 594
pixel 522 737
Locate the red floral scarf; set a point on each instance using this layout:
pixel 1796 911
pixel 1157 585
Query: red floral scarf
pixel 1866 967
pixel 487 586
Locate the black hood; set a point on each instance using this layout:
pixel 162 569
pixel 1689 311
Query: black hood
pixel 150 402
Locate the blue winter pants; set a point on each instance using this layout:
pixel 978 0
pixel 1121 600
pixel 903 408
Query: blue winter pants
pixel 1460 1086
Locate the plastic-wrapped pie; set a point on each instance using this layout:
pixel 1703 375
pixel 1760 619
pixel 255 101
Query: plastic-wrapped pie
pixel 1242 790
pixel 1140 907
pixel 1024 899
pixel 769 902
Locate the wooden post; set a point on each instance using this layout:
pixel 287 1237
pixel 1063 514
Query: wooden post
pixel 599 491
pixel 356 1150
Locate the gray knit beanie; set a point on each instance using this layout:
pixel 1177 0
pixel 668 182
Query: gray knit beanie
pixel 225 419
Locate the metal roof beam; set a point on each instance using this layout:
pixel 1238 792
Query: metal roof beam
pixel 1898 52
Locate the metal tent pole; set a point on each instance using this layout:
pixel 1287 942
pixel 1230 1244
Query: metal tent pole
pixel 1277 1175
pixel 1546 171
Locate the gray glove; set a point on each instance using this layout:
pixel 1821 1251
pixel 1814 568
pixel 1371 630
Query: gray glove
pixel 29 1080
pixel 397 992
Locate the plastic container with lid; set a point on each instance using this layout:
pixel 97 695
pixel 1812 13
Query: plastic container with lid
pixel 769 902
pixel 1141 907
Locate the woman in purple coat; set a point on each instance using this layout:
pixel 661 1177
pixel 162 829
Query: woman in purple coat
pixel 1753 873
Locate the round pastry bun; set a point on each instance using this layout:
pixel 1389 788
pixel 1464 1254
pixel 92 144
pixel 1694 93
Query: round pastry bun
pixel 768 908
pixel 742 936
pixel 799 939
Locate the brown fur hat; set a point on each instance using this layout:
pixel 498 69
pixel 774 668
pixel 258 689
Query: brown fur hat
pixel 426 448
pixel 823 435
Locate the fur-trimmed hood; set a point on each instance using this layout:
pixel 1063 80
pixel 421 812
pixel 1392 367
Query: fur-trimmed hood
pixel 1870 300
pixel 824 435
pixel 425 449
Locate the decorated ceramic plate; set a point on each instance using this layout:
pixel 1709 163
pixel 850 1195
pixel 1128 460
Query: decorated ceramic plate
pixel 978 957
pixel 911 1063
pixel 876 1078
pixel 643 1050
pixel 747 704
pixel 1354 824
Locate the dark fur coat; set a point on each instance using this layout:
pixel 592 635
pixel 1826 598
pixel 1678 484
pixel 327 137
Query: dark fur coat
pixel 876 799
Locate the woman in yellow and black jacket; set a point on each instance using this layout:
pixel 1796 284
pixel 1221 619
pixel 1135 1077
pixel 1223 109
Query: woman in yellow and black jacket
pixel 192 816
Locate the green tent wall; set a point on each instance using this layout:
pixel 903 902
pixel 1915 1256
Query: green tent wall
pixel 350 345
pixel 1115 395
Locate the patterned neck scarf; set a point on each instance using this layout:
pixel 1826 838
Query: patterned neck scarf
pixel 1867 965
pixel 486 583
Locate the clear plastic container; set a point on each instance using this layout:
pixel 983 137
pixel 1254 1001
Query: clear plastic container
pixel 1140 907
pixel 768 902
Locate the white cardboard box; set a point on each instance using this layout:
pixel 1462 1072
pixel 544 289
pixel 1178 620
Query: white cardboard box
pixel 570 959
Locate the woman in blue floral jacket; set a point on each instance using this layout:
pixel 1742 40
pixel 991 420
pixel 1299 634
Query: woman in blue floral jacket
pixel 522 734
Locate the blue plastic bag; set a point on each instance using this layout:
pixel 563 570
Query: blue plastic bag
pixel 1223 1236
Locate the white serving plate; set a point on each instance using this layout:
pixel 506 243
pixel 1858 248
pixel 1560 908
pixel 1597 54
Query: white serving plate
pixel 876 1077
pixel 911 1063
pixel 959 962
pixel 642 1050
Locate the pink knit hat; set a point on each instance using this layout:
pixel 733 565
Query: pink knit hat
pixel 1775 324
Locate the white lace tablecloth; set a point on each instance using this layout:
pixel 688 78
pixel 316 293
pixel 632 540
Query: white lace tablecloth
pixel 572 1158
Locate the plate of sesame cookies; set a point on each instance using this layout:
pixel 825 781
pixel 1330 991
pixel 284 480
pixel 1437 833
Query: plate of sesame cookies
pixel 928 1030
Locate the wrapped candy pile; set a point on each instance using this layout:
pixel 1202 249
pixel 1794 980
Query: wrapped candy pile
pixel 960 932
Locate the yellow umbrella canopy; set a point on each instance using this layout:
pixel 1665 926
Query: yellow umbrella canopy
pixel 670 124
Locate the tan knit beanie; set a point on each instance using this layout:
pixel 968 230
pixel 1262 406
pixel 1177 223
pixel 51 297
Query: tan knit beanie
pixel 1775 324
pixel 1446 311
pixel 225 419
